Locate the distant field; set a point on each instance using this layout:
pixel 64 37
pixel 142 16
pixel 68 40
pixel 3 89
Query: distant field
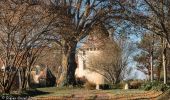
pixel 84 94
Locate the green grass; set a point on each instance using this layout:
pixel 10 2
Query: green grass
pixel 53 91
pixel 66 92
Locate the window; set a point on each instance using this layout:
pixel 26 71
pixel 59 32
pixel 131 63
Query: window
pixel 84 64
pixel 84 52
pixel 34 2
pixel 37 71
pixel 91 49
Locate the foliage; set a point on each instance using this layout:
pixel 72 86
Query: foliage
pixel 118 86
pixel 135 84
pixel 149 55
pixel 90 86
pixel 158 86
pixel 81 81
pixel 106 86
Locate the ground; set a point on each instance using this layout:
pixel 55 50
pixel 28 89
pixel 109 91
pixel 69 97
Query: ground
pixel 53 93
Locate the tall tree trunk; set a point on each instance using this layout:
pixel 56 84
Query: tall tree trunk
pixel 24 78
pixel 28 80
pixel 151 64
pixel 72 65
pixel 164 60
pixel 69 65
pixel 151 58
pixel 62 77
pixel 20 81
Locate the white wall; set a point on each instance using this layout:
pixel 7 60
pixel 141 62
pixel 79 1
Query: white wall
pixel 91 76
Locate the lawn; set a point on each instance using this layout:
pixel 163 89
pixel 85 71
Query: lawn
pixel 84 94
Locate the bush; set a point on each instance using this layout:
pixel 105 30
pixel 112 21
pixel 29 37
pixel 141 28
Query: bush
pixel 146 86
pixel 158 86
pixel 135 84
pixel 106 86
pixel 118 86
pixel 81 81
pixel 90 86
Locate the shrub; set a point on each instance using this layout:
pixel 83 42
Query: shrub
pixel 90 86
pixel 158 86
pixel 106 86
pixel 81 81
pixel 146 86
pixel 135 84
pixel 118 86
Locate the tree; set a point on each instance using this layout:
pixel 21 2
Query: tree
pixel 143 63
pixel 148 59
pixel 74 21
pixel 23 24
pixel 113 59
pixel 51 56
pixel 108 63
pixel 154 17
pixel 164 59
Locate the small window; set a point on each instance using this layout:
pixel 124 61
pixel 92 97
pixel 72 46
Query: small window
pixel 84 64
pixel 84 52
pixel 91 49
pixel 37 71
pixel 34 1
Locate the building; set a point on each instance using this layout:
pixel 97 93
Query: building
pixel 41 76
pixel 91 48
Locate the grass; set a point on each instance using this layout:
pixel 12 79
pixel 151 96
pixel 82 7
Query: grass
pixel 164 96
pixel 92 94
pixel 67 93
pixel 70 91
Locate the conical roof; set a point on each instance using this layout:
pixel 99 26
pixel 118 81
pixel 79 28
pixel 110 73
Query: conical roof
pixel 96 38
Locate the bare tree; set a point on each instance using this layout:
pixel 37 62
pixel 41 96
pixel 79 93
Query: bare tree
pixel 155 17
pixel 22 27
pixel 112 62
pixel 107 63
pixel 74 22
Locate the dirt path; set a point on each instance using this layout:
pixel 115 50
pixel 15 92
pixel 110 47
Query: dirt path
pixel 150 95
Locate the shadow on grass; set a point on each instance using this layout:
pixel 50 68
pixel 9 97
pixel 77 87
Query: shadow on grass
pixel 23 96
pixel 164 96
pixel 33 92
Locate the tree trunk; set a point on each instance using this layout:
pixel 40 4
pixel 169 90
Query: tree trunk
pixel 62 77
pixel 151 64
pixel 28 80
pixel 24 78
pixel 20 81
pixel 6 91
pixel 69 65
pixel 151 58
pixel 164 60
pixel 72 65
